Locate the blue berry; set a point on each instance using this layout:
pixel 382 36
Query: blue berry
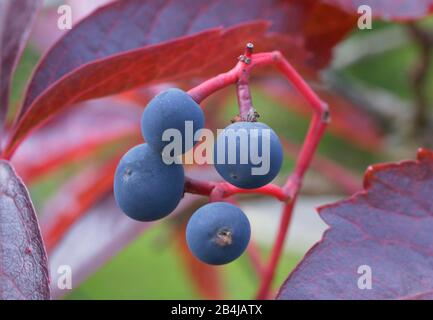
pixel 170 110
pixel 218 233
pixel 146 188
pixel 245 171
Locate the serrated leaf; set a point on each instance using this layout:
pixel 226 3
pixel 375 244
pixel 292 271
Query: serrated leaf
pixel 385 229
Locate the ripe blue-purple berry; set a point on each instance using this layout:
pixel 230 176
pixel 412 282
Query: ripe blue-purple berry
pixel 252 141
pixel 171 109
pixel 146 188
pixel 218 233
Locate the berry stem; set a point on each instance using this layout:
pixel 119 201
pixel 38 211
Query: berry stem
pixel 199 187
pixel 224 190
pixel 244 96
pixel 294 182
pixel 205 89
pixel 243 91
pixel 239 75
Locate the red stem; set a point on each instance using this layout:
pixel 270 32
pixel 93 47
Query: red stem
pixel 239 74
pixel 218 191
pixel 222 190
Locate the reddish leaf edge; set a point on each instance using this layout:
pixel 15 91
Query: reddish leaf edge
pixel 20 50
pixel 423 154
pixel 16 135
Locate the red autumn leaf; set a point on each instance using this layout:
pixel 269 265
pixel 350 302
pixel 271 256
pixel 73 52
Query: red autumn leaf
pixel 126 71
pixel 84 130
pixel 16 19
pixel 74 199
pixel 23 262
pixel 388 9
pixel 385 229
pixel 128 43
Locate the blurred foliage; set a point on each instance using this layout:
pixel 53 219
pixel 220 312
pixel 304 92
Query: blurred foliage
pixel 22 74
pixel 391 69
pixel 131 274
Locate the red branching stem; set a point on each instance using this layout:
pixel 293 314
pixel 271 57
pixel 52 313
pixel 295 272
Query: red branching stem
pixel 205 89
pixel 242 86
pixel 222 190
pixel 269 190
pixel 194 186
pixel 293 184
pixel 239 75
pixel 244 95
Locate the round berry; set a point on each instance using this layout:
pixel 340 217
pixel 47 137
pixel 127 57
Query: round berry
pixel 218 233
pixel 171 109
pixel 146 188
pixel 249 155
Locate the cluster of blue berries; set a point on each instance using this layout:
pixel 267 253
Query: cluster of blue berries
pixel 146 188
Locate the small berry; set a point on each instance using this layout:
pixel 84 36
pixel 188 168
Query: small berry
pixel 251 142
pixel 218 233
pixel 146 188
pixel 170 110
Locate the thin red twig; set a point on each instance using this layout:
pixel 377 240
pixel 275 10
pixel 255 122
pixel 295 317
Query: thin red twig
pixel 239 76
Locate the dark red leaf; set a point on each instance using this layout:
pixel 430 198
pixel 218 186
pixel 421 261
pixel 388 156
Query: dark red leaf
pixel 129 43
pixel 324 26
pixel 387 227
pixel 74 199
pixel 16 18
pixel 84 130
pixel 125 71
pixel 23 262
pixel 388 9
